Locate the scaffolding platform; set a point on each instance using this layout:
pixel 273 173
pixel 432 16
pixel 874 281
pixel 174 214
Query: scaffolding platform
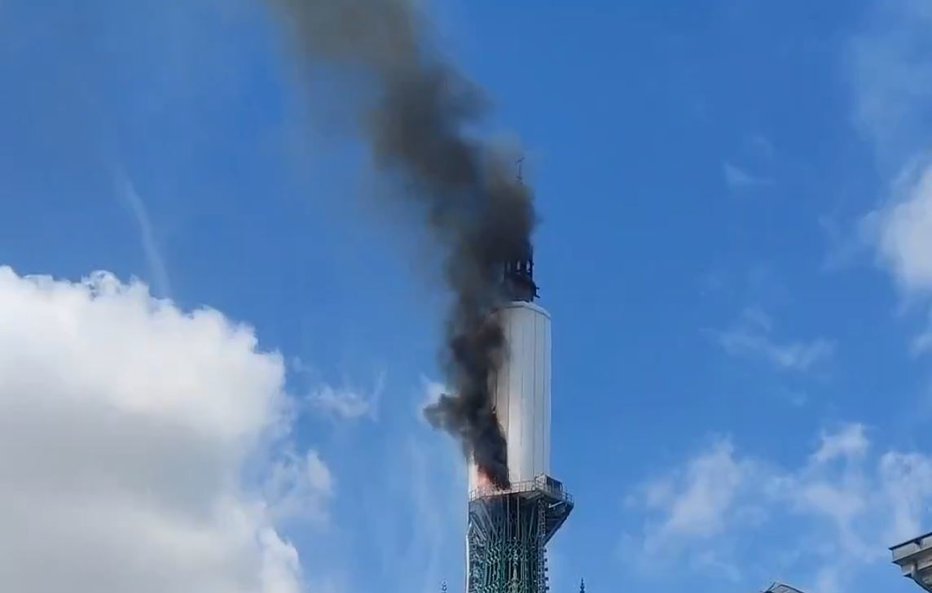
pixel 508 533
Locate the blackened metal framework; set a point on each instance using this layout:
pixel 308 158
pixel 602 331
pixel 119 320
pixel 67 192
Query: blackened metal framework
pixel 508 534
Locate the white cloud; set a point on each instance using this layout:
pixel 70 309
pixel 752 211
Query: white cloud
pixel 698 499
pixel 907 481
pixel 902 230
pixel 841 508
pixel 891 73
pixel 751 337
pixel 125 427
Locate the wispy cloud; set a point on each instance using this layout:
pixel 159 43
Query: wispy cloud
pixel 347 402
pixel 848 501
pixel 751 337
pixel 739 178
pixel 922 343
pixel 762 145
pixel 299 487
pixel 843 247
pixel 849 442
pixel 422 480
pixel 126 191
pixel 890 67
pixel 757 154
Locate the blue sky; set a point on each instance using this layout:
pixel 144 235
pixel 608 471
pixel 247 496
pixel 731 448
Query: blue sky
pixel 736 247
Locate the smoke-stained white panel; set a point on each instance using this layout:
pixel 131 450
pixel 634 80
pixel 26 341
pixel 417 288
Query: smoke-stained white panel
pixel 521 392
pixel 523 388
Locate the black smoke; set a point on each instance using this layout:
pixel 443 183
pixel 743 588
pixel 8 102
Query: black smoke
pixel 418 127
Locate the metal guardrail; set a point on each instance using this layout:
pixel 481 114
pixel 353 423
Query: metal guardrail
pixel 540 484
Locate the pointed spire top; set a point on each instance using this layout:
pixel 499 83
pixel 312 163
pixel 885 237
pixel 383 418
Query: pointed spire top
pixel 443 587
pixel 582 585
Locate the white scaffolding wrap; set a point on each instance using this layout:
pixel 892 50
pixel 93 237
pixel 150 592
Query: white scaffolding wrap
pixel 521 392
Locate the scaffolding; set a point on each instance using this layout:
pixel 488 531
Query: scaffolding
pixel 508 533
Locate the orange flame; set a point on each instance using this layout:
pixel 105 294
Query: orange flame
pixel 483 482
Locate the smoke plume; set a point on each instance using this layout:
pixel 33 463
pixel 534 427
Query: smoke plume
pixel 482 216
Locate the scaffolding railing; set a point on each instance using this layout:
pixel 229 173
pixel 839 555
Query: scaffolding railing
pixel 538 484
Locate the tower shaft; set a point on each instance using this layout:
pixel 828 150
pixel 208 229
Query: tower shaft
pixel 508 534
pixel 506 546
pixel 508 530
